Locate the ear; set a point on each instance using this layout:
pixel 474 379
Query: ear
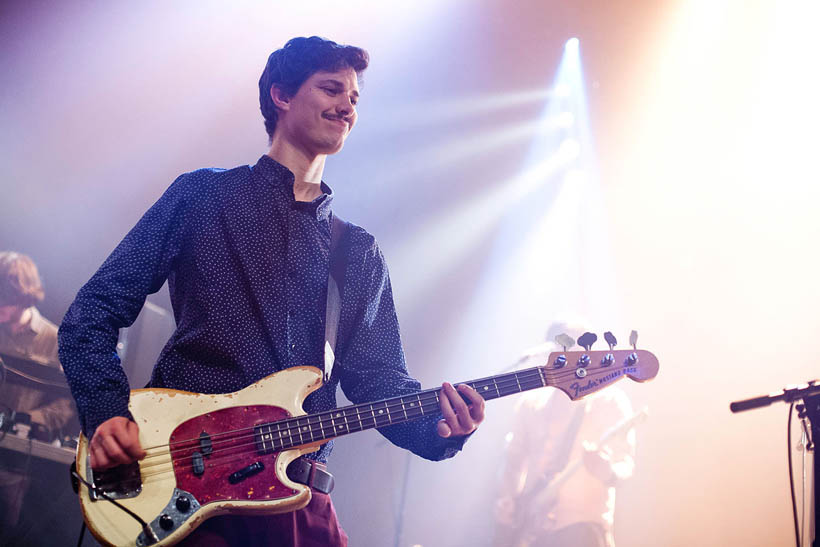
pixel 281 100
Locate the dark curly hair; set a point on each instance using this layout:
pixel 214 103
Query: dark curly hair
pixel 289 67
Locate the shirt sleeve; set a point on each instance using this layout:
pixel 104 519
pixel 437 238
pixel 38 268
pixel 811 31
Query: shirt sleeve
pixel 373 365
pixel 111 300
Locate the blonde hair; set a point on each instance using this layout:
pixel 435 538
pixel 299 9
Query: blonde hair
pixel 20 283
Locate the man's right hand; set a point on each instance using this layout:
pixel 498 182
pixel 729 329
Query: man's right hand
pixel 115 442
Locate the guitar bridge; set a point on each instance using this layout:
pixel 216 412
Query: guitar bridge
pixel 121 482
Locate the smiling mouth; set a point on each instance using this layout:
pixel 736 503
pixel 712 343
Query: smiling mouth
pixel 339 121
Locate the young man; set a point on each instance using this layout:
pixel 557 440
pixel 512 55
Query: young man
pixel 246 255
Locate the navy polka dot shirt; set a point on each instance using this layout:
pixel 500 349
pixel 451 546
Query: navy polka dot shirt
pixel 247 268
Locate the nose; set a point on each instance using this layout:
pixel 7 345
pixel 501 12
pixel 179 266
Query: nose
pixel 345 106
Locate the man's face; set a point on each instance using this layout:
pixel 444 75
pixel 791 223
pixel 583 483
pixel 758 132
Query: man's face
pixel 321 114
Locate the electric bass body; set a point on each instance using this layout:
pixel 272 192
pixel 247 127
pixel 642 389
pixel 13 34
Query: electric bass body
pixel 206 455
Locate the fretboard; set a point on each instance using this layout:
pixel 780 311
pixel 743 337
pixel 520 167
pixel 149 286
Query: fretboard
pixel 285 434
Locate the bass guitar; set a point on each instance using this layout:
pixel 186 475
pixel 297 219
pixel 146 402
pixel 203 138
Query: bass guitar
pixel 215 454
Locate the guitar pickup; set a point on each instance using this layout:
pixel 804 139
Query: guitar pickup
pixel 246 472
pixel 205 444
pixel 198 463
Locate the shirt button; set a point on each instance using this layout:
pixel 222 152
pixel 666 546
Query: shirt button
pixel 293 346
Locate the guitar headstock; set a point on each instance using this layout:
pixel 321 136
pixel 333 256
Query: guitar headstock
pixel 580 373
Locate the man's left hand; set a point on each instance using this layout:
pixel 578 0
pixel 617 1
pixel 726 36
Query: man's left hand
pixel 459 418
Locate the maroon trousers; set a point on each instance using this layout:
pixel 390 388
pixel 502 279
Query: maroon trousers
pixel 315 525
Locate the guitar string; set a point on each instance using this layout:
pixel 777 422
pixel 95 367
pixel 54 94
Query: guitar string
pixel 293 434
pixel 516 375
pixel 287 433
pixel 237 452
pixel 328 417
pixel 430 406
pixel 293 424
pixel 288 439
pixel 389 403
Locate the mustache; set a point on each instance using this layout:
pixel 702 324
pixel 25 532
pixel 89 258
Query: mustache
pixel 345 119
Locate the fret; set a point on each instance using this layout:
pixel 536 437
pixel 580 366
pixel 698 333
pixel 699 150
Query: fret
pixel 293 432
pixel 403 410
pixel 270 437
pixel 495 384
pixel 311 423
pixel 415 409
pixel 501 385
pixel 381 416
pixel 353 423
pixel 371 418
pixel 359 418
pixel 317 428
pixel 259 437
pixel 299 431
pixel 279 434
pixel 418 401
pixel 347 424
pixel 275 440
pixel 290 433
pixel 517 382
pixel 321 427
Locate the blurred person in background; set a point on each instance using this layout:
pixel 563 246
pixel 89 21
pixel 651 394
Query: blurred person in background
pixel 564 461
pixel 31 380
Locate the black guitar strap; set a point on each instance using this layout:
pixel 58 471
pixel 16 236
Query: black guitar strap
pixel 339 250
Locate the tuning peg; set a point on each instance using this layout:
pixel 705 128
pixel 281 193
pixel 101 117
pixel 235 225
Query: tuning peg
pixel 610 339
pixel 633 339
pixel 565 341
pixel 587 339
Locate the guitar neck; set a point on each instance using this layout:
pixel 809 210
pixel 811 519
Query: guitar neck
pixel 314 428
pixel 577 374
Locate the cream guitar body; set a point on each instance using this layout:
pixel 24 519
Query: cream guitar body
pixel 167 474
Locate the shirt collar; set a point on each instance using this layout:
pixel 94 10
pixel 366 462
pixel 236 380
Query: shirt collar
pixel 37 322
pixel 282 179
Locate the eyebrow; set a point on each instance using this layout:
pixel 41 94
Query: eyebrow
pixel 337 83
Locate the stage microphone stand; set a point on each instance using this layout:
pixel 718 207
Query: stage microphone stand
pixel 810 395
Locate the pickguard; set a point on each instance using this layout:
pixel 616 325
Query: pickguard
pixel 233 447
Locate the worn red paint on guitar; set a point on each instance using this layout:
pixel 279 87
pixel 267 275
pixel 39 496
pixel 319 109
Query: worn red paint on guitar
pixel 231 452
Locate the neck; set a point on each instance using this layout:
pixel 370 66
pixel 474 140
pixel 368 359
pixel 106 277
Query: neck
pixel 20 322
pixel 307 168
